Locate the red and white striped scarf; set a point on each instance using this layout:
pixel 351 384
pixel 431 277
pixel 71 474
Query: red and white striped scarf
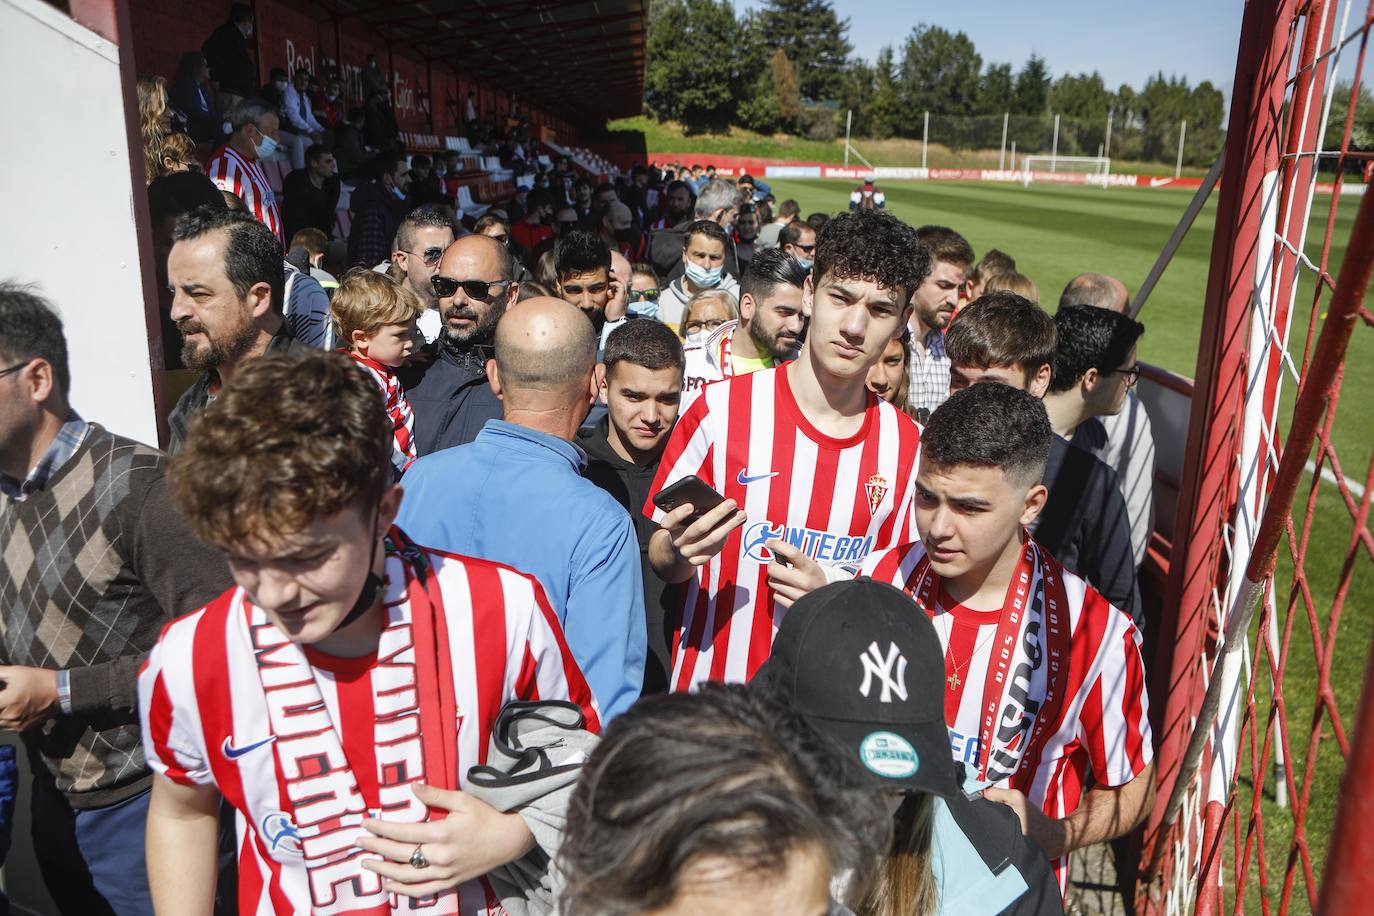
pixel 416 739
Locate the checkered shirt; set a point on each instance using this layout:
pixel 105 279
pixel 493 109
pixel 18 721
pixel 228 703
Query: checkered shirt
pixel 68 440
pixel 929 374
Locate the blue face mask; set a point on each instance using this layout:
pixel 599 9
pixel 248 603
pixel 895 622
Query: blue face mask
pixel 644 308
pixel 267 148
pixel 804 262
pixel 704 277
pixel 400 195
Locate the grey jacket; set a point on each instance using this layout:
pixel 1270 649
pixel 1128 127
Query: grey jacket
pixel 536 753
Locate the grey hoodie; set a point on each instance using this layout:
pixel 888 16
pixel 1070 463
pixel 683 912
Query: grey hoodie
pixel 536 753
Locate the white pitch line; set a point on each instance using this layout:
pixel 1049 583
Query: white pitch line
pixel 1356 488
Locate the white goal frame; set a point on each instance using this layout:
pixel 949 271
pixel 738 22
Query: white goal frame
pixel 1097 175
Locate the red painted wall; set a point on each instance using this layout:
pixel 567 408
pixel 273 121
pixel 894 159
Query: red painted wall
pixel 296 33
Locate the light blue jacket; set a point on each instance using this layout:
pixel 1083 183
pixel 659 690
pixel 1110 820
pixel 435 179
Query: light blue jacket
pixel 518 497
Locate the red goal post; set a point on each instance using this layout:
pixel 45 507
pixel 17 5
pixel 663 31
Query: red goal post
pixel 1239 509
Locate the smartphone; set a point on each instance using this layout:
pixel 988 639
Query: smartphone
pixel 690 489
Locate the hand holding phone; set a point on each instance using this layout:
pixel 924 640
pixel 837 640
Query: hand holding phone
pixel 689 490
pixel 698 523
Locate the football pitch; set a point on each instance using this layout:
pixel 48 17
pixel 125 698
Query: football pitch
pixel 1055 232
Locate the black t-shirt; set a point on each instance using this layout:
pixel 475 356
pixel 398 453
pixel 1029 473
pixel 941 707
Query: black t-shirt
pixel 1084 525
pixel 629 484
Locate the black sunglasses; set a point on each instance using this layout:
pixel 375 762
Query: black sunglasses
pixel 479 290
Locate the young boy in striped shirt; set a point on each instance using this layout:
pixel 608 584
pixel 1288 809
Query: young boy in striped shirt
pixel 375 318
pixel 1044 684
pixel 339 695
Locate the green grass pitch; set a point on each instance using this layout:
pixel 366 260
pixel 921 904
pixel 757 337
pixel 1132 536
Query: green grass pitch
pixel 1055 232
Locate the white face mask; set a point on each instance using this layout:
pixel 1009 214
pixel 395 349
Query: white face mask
pixel 695 339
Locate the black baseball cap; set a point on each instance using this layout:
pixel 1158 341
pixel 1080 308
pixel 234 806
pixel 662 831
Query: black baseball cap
pixel 861 663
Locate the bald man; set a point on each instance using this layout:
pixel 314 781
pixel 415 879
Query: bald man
pixel 1124 441
pixel 516 495
pixel 449 393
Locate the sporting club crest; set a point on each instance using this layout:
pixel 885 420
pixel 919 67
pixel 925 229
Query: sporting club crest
pixel 877 489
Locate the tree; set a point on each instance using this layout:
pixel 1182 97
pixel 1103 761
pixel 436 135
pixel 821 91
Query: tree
pixel 691 73
pixel 787 88
pixel 758 96
pixel 1361 130
pixel 939 72
pixel 884 113
pixel 1084 97
pixel 1032 87
pixel 996 90
pixel 812 36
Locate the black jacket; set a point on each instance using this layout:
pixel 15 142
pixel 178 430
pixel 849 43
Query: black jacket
pixel 1085 527
pixel 451 401
pixel 629 484
pixel 304 205
pixel 231 66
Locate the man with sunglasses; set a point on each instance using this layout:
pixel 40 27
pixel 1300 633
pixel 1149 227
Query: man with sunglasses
pixel 420 242
pixel 450 395
pixel 644 291
pixel 799 240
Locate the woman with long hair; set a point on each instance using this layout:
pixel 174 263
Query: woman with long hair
pixel 155 122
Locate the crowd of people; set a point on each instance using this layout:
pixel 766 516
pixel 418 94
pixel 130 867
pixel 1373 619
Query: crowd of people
pixel 635 546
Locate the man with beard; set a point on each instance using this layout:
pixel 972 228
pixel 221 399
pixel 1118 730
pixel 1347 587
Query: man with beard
pixel 450 395
pixel 420 242
pixel 934 303
pixel 680 200
pixel 227 278
pixel 582 262
pixel 770 315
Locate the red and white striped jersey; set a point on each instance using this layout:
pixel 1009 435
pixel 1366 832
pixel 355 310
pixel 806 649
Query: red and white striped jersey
pixel 303 745
pixel 231 172
pixel 1084 723
pixel 838 500
pixel 397 408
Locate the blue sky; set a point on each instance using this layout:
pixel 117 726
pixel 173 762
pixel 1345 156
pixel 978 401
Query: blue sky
pixel 1124 41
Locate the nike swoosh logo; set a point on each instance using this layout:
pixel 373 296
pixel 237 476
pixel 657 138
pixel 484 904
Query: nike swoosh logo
pixel 1159 182
pixel 233 753
pixel 743 479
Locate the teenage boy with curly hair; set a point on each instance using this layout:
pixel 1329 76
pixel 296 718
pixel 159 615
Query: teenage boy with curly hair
pixel 811 463
pixel 338 696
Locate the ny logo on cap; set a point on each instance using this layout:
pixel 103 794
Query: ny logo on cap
pixel 876 664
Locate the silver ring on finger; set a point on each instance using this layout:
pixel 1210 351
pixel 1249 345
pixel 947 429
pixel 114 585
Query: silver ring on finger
pixel 417 858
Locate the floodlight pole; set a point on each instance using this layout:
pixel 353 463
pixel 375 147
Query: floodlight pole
pixel 1054 148
pixel 1107 145
pixel 1182 131
pixel 1002 156
pixel 848 122
pixel 925 139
